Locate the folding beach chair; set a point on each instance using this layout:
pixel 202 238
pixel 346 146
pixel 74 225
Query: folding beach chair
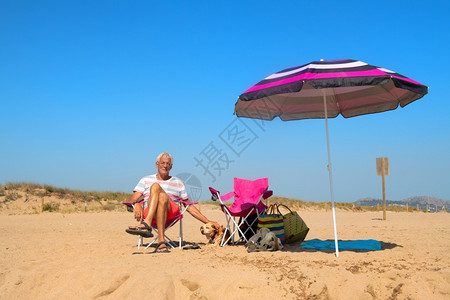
pixel 248 200
pixel 169 224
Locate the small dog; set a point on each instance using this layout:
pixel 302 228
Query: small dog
pixel 264 240
pixel 214 234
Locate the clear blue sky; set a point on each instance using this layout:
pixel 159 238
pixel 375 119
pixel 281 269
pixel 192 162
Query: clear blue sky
pixel 92 91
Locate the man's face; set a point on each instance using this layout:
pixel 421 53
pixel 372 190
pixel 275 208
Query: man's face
pixel 164 165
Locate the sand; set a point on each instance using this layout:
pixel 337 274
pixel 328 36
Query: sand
pixel 89 255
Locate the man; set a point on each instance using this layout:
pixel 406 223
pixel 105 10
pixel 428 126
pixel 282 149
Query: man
pixel 161 192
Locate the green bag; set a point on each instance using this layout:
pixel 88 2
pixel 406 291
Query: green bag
pixel 295 229
pixel 273 220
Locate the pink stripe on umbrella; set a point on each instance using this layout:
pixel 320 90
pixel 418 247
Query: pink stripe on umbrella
pixel 407 79
pixel 310 76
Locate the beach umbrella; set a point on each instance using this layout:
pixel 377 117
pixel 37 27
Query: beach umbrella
pixel 325 89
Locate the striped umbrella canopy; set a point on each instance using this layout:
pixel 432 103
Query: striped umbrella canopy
pixel 325 89
pixel 351 87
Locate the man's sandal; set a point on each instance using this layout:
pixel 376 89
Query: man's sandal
pixel 164 249
pixel 145 231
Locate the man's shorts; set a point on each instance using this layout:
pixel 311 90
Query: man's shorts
pixel 173 212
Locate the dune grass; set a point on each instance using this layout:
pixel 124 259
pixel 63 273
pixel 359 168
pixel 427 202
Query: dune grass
pixel 63 199
pixel 68 200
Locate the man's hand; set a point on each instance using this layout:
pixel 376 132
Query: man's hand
pixel 138 212
pixel 215 224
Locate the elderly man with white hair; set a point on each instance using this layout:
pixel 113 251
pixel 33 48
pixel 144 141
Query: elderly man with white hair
pixel 161 193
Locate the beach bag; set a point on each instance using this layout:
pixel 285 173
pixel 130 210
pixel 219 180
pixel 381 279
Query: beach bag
pixel 295 229
pixel 273 220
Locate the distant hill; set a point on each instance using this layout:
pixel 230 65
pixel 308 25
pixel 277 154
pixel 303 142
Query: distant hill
pixel 412 202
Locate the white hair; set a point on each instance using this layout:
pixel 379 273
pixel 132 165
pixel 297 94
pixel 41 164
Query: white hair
pixel 164 154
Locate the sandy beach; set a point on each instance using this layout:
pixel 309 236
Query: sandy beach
pixel 89 255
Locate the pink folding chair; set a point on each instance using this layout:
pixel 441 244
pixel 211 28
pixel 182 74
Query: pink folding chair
pixel 248 200
pixel 169 224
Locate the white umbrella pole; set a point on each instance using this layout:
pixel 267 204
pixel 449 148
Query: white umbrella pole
pixel 330 174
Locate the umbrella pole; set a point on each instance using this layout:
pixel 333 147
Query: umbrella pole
pixel 330 173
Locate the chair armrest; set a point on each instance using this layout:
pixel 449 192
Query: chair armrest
pixel 129 205
pixel 227 196
pixel 214 191
pixel 267 194
pixel 215 195
pixel 188 202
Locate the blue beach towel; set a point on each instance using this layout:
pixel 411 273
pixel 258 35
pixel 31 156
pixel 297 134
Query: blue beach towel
pixel 343 245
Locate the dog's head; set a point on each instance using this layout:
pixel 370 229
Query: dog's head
pixel 209 230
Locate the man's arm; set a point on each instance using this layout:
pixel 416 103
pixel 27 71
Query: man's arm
pixel 138 211
pixel 199 216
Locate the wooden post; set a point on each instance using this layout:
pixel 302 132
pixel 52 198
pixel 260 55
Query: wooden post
pixel 436 208
pixel 42 207
pixel 85 206
pixel 383 169
pixel 384 196
pixel 426 209
pixel 417 207
pixel 378 207
pixel 406 207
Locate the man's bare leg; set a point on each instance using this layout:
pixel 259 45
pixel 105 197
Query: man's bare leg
pixel 161 217
pixel 157 202
pixel 158 207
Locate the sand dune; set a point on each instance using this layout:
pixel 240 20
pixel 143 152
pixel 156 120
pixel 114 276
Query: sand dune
pixel 89 256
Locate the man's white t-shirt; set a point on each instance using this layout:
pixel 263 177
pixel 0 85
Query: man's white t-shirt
pixel 174 188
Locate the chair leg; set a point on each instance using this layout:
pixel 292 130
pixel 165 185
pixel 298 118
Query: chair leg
pixel 244 221
pixel 232 232
pixel 140 241
pixel 172 244
pixel 180 238
pixel 151 243
pixel 222 242
pixel 169 241
pixel 249 227
pixel 236 228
